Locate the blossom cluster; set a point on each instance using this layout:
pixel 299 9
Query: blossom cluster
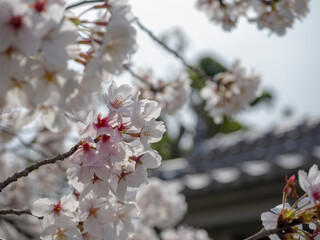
pixel 171 95
pixel 162 206
pixel 106 171
pixel 41 45
pixel 144 232
pixel 186 233
pixel 229 92
pixel 47 181
pixel 275 15
pixel 40 41
pixel 291 221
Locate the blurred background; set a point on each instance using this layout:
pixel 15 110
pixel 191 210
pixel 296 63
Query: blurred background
pixel 229 172
pixel 232 172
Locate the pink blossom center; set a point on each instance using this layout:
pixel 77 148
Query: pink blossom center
pixel 93 211
pixel 106 138
pixel 118 102
pixel 123 175
pixel 76 194
pixel 86 147
pixel 137 159
pixel 316 195
pixel 101 122
pixel 122 128
pixel 57 208
pixel 40 6
pixel 61 234
pixel 16 22
pixel 95 179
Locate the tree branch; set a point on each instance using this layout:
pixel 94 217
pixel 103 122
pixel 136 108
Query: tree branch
pixel 35 166
pixel 141 79
pixel 15 212
pixel 133 74
pixel 82 3
pixel 263 233
pixel 173 52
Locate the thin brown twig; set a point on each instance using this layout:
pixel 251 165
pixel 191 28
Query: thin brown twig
pixel 142 80
pixel 18 212
pixel 35 166
pixel 82 3
pixel 263 233
pixel 133 74
pixel 175 53
pixel 136 76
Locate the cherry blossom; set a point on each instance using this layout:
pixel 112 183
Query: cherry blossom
pixel 143 232
pixel 61 212
pixel 171 96
pixel 311 183
pixel 118 100
pixel 55 232
pixel 230 92
pixel 95 213
pixel 119 40
pixel 186 233
pixel 60 43
pixel 279 216
pixel 223 12
pixel 53 64
pixel 160 204
pixel 276 16
pixel 17 28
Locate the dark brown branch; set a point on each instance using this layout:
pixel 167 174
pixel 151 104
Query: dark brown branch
pixel 35 166
pixel 263 233
pixel 82 3
pixel 15 212
pixel 175 53
pixel 141 79
pixel 133 74
pixel 269 2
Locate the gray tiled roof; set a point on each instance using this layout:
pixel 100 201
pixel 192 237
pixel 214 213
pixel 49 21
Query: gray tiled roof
pixel 247 156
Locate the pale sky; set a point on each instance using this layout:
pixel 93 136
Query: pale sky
pixel 289 65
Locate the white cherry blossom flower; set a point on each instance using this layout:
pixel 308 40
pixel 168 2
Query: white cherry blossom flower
pixel 143 111
pixel 17 28
pixel 160 204
pixel 58 232
pixel 61 212
pixel 123 222
pixel 229 92
pixel 270 220
pixel 86 155
pixel 143 232
pixel 186 233
pixel 152 132
pixel 60 43
pixel 311 183
pixel 118 43
pixel 119 99
pixel 95 213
